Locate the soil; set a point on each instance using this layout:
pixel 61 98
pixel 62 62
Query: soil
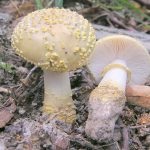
pixel 25 127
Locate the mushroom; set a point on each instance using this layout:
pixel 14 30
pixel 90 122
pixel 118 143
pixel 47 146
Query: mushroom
pixel 57 40
pixel 119 60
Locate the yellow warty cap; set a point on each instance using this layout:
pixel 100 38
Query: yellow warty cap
pixel 54 39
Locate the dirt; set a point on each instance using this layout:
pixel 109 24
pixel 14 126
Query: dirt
pixel 27 128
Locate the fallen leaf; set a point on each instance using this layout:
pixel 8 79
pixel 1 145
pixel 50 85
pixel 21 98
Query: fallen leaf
pixel 6 112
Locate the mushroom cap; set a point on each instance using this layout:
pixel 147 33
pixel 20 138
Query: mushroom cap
pixel 54 39
pixel 123 48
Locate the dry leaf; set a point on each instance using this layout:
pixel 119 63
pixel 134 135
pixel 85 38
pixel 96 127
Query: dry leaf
pixel 6 112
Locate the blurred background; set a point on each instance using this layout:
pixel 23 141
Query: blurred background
pixel 125 14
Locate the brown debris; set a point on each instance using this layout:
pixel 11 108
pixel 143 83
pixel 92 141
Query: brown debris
pixel 6 112
pixel 4 90
pixel 90 10
pixel 144 119
pixel 25 81
pixel 138 90
pixel 138 95
pixel 18 9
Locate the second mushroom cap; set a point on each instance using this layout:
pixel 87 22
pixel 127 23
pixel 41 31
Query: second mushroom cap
pixel 121 47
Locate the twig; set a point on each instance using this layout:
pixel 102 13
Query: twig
pixel 125 138
pixel 25 81
pixel 110 23
pixel 98 16
pixel 83 142
pixel 117 21
pixel 87 2
pixel 50 3
pixel 7 103
pixel 106 145
pixel 117 145
pixel 134 127
pixel 16 7
pixel 89 10
pixel 140 126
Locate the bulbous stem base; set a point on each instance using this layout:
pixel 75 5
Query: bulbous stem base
pixel 58 96
pixel 105 105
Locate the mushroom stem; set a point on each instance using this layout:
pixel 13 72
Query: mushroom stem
pixel 58 96
pixel 115 73
pixel 107 101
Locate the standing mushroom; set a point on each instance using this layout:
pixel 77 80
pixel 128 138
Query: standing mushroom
pixel 57 40
pixel 118 60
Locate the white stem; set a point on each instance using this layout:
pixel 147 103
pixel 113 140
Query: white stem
pixel 118 76
pixel 57 83
pixel 58 94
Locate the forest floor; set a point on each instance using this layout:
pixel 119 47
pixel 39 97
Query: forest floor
pixel 22 124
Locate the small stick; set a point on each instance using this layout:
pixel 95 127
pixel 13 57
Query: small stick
pixel 140 126
pixel 7 103
pixel 16 7
pixel 88 10
pixel 25 81
pixel 125 138
pixel 134 127
pixel 83 142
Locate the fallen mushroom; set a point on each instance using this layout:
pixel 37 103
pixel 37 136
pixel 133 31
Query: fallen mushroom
pixel 138 95
pixel 57 40
pixel 120 60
